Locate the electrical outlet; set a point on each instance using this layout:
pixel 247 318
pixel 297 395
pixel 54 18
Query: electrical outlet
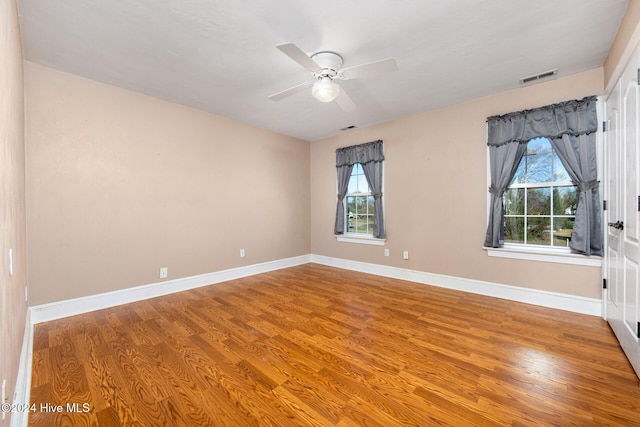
pixel 164 272
pixel 241 253
pixel 405 255
pixel 386 252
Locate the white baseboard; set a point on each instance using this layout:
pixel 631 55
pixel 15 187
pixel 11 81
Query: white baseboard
pixel 60 309
pixel 22 392
pixel 577 304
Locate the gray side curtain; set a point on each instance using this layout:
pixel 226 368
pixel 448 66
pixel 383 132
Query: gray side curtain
pixel 373 173
pixel 344 173
pixel 578 155
pixel 370 156
pixel 504 160
pixel 571 127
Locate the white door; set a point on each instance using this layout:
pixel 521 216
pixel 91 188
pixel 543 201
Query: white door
pixel 622 191
pixel 613 263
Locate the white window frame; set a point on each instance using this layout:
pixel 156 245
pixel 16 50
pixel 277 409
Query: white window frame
pixel 553 254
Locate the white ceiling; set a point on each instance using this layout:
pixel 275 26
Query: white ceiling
pixel 220 55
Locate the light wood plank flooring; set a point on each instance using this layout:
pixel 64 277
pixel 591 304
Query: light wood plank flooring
pixel 318 346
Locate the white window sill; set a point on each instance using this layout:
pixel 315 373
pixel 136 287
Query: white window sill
pixel 559 255
pixel 363 240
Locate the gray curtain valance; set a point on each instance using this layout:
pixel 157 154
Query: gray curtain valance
pixel 363 153
pixel 577 117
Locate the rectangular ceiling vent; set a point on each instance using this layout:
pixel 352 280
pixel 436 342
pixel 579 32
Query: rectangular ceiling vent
pixel 348 128
pixel 537 78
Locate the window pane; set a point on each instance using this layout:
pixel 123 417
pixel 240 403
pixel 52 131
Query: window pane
pixel 358 182
pixel 351 213
pixel 538 231
pixel 559 172
pixel 565 200
pixel 521 173
pixel 539 146
pixel 562 229
pixel 363 186
pixel 514 230
pixel 357 213
pixel 539 161
pixel 353 184
pixel 367 224
pixel 361 205
pixel 539 201
pixel 351 206
pixel 364 224
pixel 564 225
pixel 370 205
pixel 514 201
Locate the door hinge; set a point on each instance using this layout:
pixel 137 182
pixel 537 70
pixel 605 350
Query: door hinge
pixel 638 81
pixel 604 205
pixel 604 283
pixel 604 126
pixel 638 203
pixel 638 330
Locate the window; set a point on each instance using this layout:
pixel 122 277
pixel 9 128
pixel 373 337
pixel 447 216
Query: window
pixel 359 204
pixel 534 210
pixel 359 210
pixel 540 202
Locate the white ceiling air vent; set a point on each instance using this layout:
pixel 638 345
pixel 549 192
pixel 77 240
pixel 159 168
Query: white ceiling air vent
pixel 538 78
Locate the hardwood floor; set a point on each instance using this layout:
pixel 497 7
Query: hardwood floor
pixel 318 346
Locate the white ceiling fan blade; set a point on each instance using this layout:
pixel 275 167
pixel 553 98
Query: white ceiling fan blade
pixel 345 102
pixel 370 69
pixel 291 91
pixel 294 52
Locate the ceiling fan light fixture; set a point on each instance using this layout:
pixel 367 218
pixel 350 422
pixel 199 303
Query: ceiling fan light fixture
pixel 325 90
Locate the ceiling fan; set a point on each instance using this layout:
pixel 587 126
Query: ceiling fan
pixel 326 67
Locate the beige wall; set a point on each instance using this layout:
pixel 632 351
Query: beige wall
pixel 624 40
pixel 12 196
pixel 121 184
pixel 435 192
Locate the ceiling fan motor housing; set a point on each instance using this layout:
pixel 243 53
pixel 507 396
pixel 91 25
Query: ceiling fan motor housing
pixel 329 62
